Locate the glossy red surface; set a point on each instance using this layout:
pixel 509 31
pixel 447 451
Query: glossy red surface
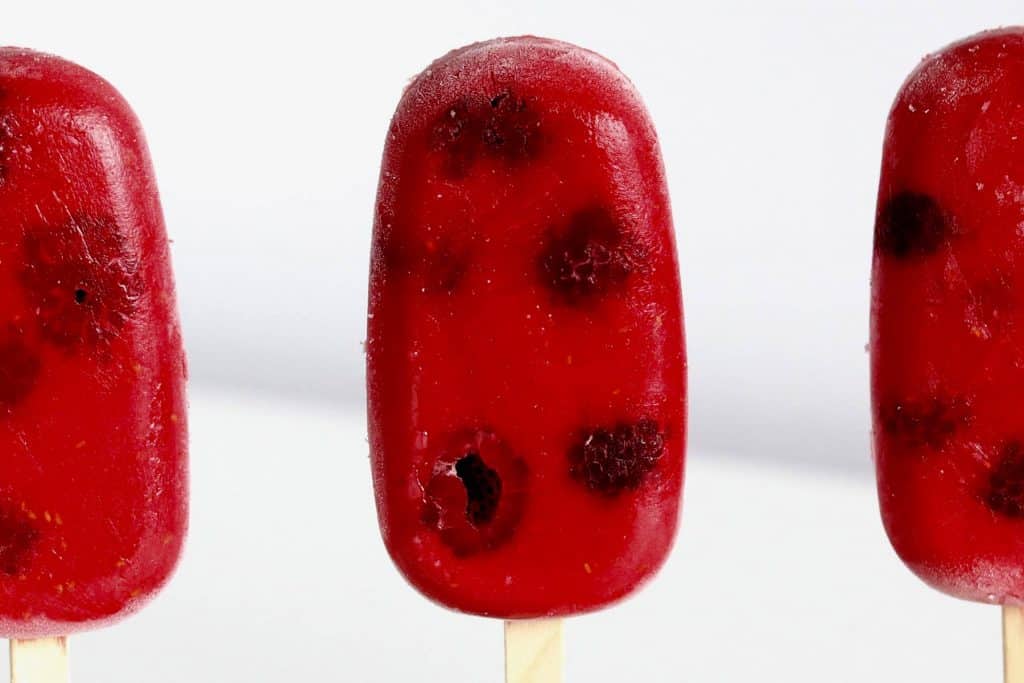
pixel 93 502
pixel 526 368
pixel 947 337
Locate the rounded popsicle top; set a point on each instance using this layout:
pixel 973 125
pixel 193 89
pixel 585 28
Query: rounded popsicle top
pixel 525 367
pixel 947 330
pixel 93 502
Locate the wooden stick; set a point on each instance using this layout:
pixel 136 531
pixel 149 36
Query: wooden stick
pixel 533 651
pixel 1013 644
pixel 42 660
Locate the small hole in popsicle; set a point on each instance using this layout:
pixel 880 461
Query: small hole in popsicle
pixel 80 295
pixel 483 488
pixel 476 495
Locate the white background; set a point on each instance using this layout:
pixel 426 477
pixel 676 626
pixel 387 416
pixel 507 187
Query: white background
pixel 266 122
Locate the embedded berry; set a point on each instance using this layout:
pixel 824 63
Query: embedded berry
pixel 1005 494
pixel 476 493
pixel 19 369
pixel 457 133
pixel 512 131
pixel 912 225
pixel 591 256
pixel 502 126
pixel 610 460
pixel 438 265
pixel 932 422
pixel 18 537
pixel 80 281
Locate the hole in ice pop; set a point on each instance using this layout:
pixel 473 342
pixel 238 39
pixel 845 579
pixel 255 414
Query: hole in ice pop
pixel 80 281
pixel 483 488
pixel 609 460
pixel 19 369
pixel 930 422
pixel 476 493
pixel 17 538
pixel 911 224
pixel 1005 493
pixel 589 257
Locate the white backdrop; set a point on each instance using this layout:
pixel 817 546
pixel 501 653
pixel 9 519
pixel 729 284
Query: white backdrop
pixel 266 122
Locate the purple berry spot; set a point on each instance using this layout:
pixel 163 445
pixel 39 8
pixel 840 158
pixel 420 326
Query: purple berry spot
pixel 1005 493
pixel 911 225
pixel 17 539
pixel 19 369
pixel 503 126
pixel 932 422
pixel 608 460
pixel 81 282
pixel 592 255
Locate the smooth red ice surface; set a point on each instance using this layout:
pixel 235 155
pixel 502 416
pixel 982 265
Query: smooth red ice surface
pixel 92 409
pixel 525 349
pixel 947 338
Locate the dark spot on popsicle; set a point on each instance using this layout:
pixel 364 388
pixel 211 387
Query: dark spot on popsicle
pixel 18 536
pixel 589 257
pixel 608 460
pixel 438 265
pixel 19 369
pixel 911 225
pixel 502 126
pixel 930 422
pixel 512 131
pixel 476 493
pixel 80 280
pixel 1005 491
pixel 457 134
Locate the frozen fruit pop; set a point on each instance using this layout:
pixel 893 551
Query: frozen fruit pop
pixel 92 409
pixel 526 367
pixel 947 337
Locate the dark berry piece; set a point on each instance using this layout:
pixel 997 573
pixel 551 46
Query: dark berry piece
pixel 80 281
pixel 19 369
pixel 458 133
pixel 610 460
pixel 476 493
pixel 589 257
pixel 1005 493
pixel 911 225
pixel 932 422
pixel 439 265
pixel 513 130
pixel 18 537
pixel 501 126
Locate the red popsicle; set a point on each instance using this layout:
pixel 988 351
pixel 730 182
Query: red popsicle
pixel 947 337
pixel 526 366
pixel 93 500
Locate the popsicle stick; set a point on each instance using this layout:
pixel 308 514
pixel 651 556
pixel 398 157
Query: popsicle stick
pixel 42 660
pixel 1013 644
pixel 533 651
